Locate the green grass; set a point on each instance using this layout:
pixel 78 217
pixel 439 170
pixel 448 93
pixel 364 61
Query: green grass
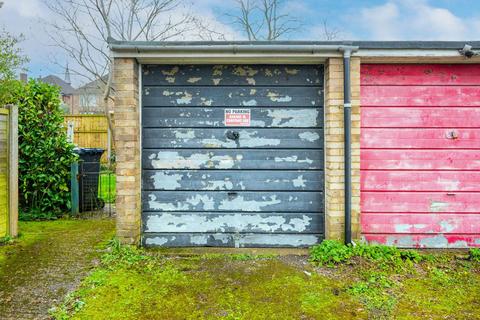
pixel 107 186
pixel 375 283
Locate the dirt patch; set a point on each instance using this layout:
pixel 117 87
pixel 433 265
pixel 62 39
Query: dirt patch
pixel 47 262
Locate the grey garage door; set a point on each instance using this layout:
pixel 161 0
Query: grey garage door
pixel 232 155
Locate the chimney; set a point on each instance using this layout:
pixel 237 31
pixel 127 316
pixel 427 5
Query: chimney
pixel 23 77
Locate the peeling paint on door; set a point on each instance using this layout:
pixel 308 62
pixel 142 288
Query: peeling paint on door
pixel 247 205
pixel 206 184
pixel 293 117
pixel 419 155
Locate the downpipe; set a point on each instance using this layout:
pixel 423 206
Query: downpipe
pixel 347 118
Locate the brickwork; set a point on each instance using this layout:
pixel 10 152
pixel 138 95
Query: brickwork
pixel 127 144
pixel 334 149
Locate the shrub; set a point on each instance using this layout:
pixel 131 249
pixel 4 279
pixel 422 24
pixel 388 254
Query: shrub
pixel 45 155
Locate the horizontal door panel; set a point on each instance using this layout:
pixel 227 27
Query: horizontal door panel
pixel 421 223
pixel 233 201
pixel 417 117
pixel 232 138
pixel 214 117
pixel 232 180
pixel 389 138
pixel 406 202
pixel 232 75
pixel 233 222
pixel 431 96
pixel 420 159
pixel 437 241
pixel 420 181
pixel 253 240
pixel 420 74
pixel 232 159
pixel 232 96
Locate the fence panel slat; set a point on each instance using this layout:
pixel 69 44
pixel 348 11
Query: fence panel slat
pixel 90 131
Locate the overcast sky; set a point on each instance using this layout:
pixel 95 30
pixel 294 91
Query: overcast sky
pixel 357 20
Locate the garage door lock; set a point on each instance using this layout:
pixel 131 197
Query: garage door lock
pixel 233 135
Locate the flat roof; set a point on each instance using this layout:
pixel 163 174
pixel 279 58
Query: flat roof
pixel 116 45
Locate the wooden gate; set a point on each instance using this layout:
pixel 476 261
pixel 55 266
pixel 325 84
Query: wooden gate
pixel 8 172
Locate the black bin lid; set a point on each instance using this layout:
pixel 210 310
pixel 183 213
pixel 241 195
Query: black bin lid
pixel 88 151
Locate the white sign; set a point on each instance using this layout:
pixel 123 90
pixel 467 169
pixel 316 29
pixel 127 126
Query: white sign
pixel 237 118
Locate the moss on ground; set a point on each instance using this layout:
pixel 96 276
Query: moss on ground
pixel 448 291
pixel 47 261
pixel 207 286
pixel 369 282
pixel 149 284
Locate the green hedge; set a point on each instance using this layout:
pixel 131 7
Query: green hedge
pixel 45 155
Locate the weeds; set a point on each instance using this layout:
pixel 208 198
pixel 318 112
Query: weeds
pixel 6 240
pixel 331 252
pixel 122 255
pixel 474 254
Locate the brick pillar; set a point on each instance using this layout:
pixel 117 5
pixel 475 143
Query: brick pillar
pixel 127 147
pixel 334 149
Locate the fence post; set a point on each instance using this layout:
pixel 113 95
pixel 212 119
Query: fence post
pixel 74 188
pixel 13 170
pixel 70 131
pixel 109 146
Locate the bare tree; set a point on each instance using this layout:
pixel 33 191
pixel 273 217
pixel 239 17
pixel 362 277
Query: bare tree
pixel 82 29
pixel 264 19
pixel 270 20
pixel 329 33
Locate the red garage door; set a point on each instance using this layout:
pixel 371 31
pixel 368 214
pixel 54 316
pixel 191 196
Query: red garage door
pixel 420 155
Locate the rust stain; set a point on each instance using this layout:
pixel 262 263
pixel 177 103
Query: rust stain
pixel 291 71
pixel 218 70
pixel 244 71
pixel 172 72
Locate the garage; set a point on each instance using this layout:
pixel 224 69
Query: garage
pixel 420 152
pixel 232 155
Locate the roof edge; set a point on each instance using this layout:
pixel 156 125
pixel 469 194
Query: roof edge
pixel 116 45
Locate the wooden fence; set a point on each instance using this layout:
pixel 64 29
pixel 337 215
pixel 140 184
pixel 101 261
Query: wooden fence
pixel 90 131
pixel 8 171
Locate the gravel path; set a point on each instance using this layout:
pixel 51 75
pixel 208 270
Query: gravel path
pixel 36 276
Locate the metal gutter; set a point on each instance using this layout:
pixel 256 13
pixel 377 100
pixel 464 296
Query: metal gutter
pixel 234 49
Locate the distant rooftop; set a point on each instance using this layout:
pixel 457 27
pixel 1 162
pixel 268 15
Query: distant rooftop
pixel 66 88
